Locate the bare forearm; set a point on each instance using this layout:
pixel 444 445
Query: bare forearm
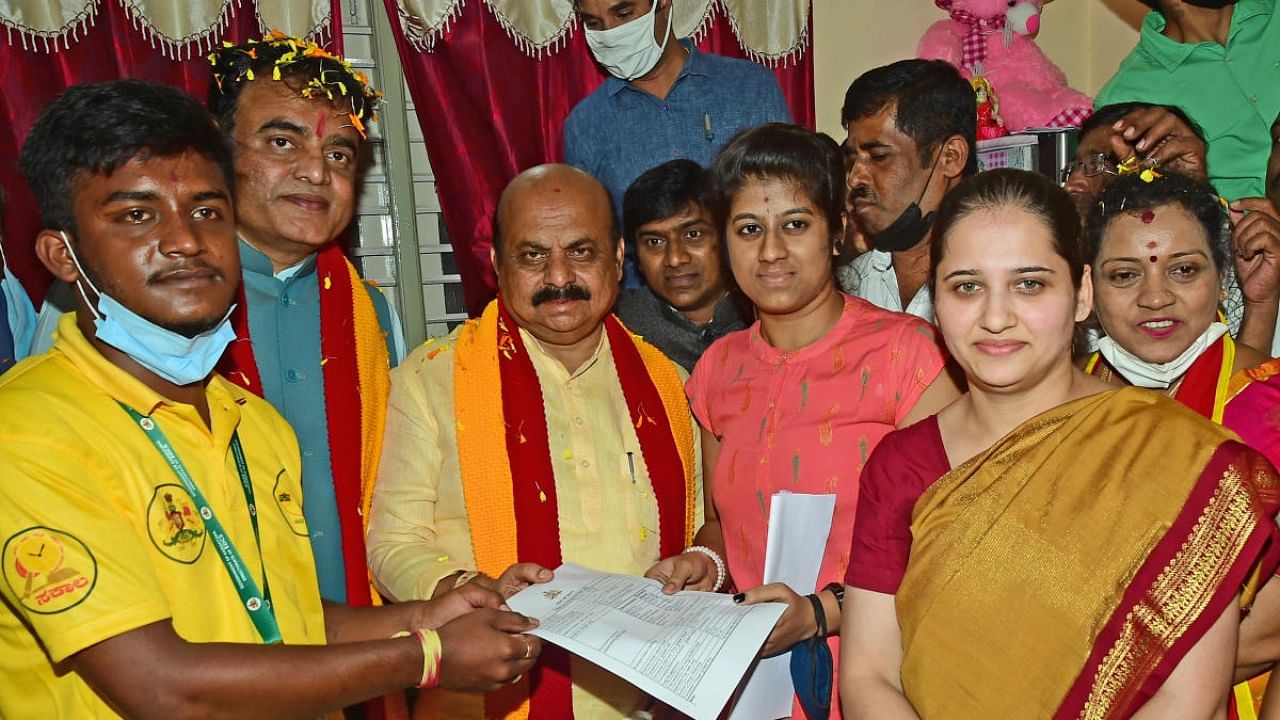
pixel 869 699
pixel 710 536
pixel 1257 329
pixel 345 624
pixel 223 680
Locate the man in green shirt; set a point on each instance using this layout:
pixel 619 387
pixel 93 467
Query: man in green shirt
pixel 1220 63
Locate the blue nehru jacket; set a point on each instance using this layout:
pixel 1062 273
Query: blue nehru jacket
pixel 284 322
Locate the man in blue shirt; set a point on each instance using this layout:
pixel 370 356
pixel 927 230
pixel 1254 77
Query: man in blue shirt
pixel 17 316
pixel 664 99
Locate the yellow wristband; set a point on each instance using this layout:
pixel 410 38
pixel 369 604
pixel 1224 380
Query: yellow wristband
pixel 432 651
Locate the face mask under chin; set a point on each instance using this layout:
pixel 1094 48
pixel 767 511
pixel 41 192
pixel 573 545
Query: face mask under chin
pixel 909 230
pixel 177 358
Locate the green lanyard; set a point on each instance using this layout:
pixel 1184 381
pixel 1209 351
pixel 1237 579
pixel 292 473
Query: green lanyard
pixel 258 604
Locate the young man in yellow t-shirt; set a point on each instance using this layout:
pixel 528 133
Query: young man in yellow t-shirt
pixel 154 557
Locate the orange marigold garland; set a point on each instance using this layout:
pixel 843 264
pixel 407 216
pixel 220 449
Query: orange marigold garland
pixel 331 75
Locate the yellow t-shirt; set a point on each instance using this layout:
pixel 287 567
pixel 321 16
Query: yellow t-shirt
pixel 98 536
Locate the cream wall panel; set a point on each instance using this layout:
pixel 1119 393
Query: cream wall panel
pixel 1087 38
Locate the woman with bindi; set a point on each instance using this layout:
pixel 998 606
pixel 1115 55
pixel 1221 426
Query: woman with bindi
pixel 798 401
pixel 1009 549
pixel 1159 253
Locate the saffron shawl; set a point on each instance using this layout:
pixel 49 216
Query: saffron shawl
pixel 513 517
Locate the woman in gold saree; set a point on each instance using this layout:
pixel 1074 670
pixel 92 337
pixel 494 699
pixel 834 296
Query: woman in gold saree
pixel 1046 546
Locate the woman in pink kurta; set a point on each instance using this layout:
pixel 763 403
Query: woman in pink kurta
pixel 798 401
pixel 805 421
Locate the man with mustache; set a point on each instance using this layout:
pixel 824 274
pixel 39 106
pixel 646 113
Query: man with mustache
pixel 689 301
pixel 152 562
pixel 312 336
pixel 912 135
pixel 541 433
pixel 1217 61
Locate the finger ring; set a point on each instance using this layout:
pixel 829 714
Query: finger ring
pixel 528 648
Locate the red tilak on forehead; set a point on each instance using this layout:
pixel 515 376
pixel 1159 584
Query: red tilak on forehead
pixel 1151 245
pixel 1148 216
pixel 1153 259
pixel 321 123
pixel 555 189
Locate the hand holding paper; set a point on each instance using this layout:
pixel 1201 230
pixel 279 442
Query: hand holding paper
pixel 688 650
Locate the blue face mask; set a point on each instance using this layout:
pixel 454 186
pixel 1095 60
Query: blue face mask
pixel 21 314
pixel 173 356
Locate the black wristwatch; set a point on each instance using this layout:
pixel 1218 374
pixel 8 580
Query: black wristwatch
pixel 837 589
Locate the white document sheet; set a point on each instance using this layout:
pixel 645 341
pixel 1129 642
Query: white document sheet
pixel 799 526
pixel 688 650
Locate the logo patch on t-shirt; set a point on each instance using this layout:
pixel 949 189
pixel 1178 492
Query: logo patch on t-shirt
pixel 290 504
pixel 48 570
pixel 174 525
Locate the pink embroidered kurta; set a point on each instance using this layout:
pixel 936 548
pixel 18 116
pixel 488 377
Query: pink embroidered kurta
pixel 806 421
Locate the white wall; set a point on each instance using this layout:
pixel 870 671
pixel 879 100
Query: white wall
pixel 1087 38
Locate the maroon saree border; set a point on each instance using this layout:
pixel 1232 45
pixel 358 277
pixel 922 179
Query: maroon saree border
pixel 1259 546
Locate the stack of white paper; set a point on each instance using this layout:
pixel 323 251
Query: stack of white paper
pixel 798 529
pixel 688 650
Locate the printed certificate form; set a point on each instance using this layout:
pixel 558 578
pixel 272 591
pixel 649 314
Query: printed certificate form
pixel 688 650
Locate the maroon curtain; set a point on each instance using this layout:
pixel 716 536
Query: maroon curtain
pixel 111 48
pixel 489 111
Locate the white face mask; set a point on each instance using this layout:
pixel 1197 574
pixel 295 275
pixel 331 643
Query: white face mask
pixel 175 357
pixel 629 50
pixel 1159 376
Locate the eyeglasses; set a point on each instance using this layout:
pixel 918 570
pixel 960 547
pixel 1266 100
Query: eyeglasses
pixel 1092 166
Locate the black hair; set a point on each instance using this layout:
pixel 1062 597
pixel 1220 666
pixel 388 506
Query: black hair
pixel 934 103
pixel 303 65
pixel 96 128
pixel 1006 187
pixel 664 191
pixel 781 151
pixel 1108 115
pixel 1130 195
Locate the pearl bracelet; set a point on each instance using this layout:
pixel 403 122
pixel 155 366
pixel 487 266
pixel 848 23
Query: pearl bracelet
pixel 715 557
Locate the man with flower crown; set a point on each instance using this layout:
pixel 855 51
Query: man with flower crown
pixel 543 432
pixel 311 335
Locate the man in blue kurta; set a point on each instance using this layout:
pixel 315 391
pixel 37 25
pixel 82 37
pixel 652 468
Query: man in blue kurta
pixel 663 100
pixel 313 338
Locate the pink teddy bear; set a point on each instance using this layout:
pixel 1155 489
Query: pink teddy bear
pixel 992 38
